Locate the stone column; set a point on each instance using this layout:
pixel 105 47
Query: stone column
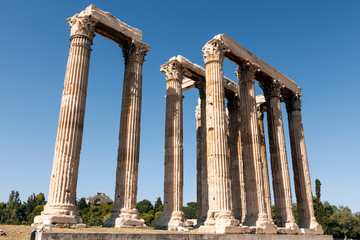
pixel 278 157
pixel 236 162
pixel 124 213
pixel 198 161
pixel 264 164
pixel 173 216
pixel 60 208
pixel 203 203
pixel 306 215
pixel 255 201
pixel 220 207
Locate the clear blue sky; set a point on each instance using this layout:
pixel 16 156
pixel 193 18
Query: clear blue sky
pixel 315 43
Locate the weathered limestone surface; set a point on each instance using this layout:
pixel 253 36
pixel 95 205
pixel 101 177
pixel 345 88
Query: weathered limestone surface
pixel 236 162
pixel 220 207
pixel 60 208
pixel 279 164
pixel 302 180
pixel 124 213
pixel 203 203
pixel 110 27
pixel 173 216
pixel 255 202
pixel 238 53
pixel 147 236
pixel 264 164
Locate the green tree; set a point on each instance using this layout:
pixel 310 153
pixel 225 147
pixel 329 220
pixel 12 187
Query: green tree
pixel 12 208
pixel 346 221
pixel 190 210
pixel 158 204
pixel 144 206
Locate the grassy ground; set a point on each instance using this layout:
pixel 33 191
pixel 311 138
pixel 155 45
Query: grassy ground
pixel 20 232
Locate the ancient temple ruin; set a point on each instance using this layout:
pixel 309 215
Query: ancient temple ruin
pixel 60 208
pixel 233 187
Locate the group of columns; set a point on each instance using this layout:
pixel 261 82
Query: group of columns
pixel 60 208
pixel 233 188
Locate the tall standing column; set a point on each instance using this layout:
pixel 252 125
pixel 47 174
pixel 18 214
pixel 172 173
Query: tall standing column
pixel 278 157
pixel 267 195
pixel 220 208
pixel 302 180
pixel 203 203
pixel 60 208
pixel 255 201
pixel 173 215
pixel 124 213
pixel 236 162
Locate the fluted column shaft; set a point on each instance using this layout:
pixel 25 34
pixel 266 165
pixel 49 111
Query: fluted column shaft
pixel 236 163
pixel 203 203
pixel 198 160
pixel 173 215
pixel 306 215
pixel 265 168
pixel 63 182
pixel 278 157
pixel 220 206
pixel 129 137
pixel 253 176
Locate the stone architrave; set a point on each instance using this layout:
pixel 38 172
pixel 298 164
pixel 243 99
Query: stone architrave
pixel 202 156
pixel 220 212
pixel 255 202
pixel 60 208
pixel 124 213
pixel 267 193
pixel 173 216
pixel 278 158
pixel 300 164
pixel 236 163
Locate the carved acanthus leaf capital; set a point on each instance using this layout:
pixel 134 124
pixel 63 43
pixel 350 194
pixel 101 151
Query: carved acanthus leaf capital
pixel 246 71
pixel 293 103
pixel 173 70
pixel 82 25
pixel 272 89
pixel 214 50
pixel 134 50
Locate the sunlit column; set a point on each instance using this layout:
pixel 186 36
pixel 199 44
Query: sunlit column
pixel 255 202
pixel 278 157
pixel 306 215
pixel 60 208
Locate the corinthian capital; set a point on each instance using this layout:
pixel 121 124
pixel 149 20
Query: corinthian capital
pixel 134 50
pixel 82 25
pixel 246 72
pixel 293 103
pixel 173 70
pixel 272 89
pixel 214 50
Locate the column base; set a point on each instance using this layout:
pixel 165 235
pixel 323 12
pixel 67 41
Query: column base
pixel 265 226
pixel 60 215
pixel 290 228
pixel 172 221
pixel 127 218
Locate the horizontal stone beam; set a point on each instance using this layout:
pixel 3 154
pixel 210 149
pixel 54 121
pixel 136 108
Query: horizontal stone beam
pixel 110 27
pixel 238 53
pixel 260 99
pixel 194 72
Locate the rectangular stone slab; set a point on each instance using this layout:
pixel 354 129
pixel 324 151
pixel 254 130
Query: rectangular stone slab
pixel 111 27
pixel 174 236
pixel 239 53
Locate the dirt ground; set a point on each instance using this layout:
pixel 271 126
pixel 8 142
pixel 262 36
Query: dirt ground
pixel 21 232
